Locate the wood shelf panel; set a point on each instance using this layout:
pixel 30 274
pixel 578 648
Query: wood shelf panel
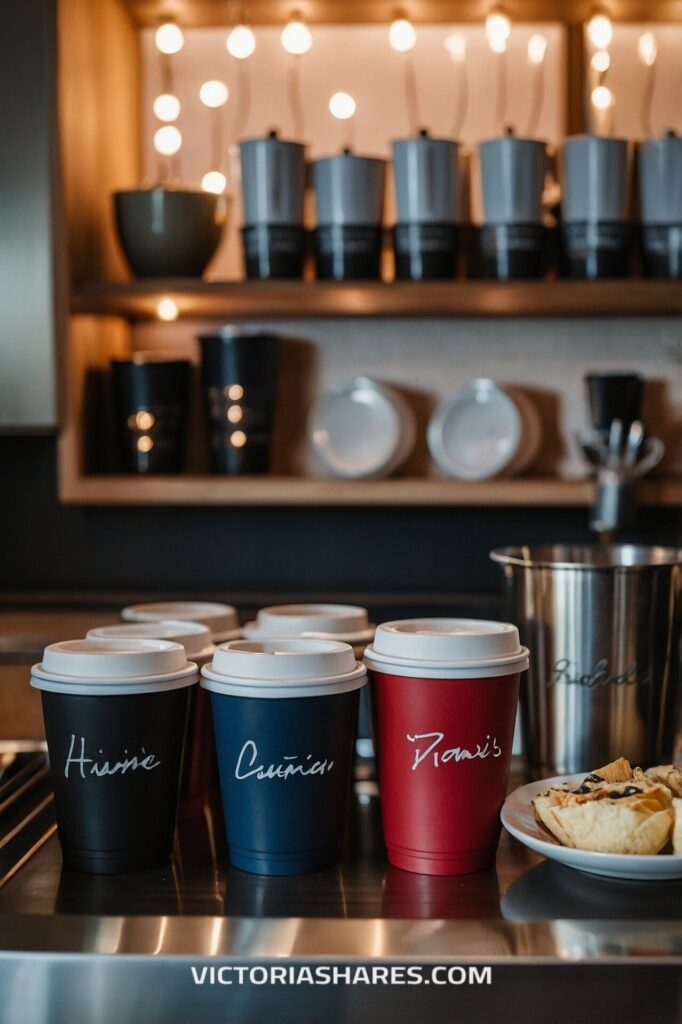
pixel 255 300
pixel 282 490
pixel 203 13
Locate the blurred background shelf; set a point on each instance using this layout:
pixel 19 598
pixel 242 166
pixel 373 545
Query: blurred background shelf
pixel 256 300
pixel 285 490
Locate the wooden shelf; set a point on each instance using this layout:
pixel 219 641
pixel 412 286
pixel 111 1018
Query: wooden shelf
pixel 282 490
pixel 256 300
pixel 202 13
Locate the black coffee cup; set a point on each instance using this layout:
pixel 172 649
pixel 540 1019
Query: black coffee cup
pixel 151 399
pixel 239 370
pixel 169 232
pixel 115 714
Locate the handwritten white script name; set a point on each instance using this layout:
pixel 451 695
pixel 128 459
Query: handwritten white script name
pixel 291 764
pixel 99 768
pixel 434 750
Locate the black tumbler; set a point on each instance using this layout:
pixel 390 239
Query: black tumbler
pixel 239 370
pixel 151 398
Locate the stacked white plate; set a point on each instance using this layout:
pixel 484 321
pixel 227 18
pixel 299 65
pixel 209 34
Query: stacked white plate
pixel 363 429
pixel 483 431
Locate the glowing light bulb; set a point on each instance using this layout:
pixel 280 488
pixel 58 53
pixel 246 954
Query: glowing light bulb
pixel 214 93
pixel 601 61
pixel 144 443
pixel 214 181
pixel 167 107
pixel 647 49
pixel 600 31
pixel 601 97
pixel 296 38
pixel 402 36
pixel 235 414
pixel 342 106
pixel 169 38
pixel 456 46
pixel 537 47
pixel 167 140
pixel 234 392
pixel 241 42
pixel 237 438
pixel 167 309
pixel 498 30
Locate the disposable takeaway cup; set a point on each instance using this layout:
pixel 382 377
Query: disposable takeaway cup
pixel 221 619
pixel 446 693
pixel 115 714
pixel 284 714
pixel 199 762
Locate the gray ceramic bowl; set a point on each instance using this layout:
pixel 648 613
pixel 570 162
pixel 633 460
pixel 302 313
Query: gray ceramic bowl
pixel 168 232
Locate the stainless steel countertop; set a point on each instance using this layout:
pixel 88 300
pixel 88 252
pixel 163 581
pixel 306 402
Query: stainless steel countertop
pixel 119 948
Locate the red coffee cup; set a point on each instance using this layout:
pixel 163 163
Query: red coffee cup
pixel 445 692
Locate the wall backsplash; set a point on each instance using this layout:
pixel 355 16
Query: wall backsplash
pixel 431 358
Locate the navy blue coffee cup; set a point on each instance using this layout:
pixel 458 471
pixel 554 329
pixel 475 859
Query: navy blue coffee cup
pixel 115 714
pixel 284 714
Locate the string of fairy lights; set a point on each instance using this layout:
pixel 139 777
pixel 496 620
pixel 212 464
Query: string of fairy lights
pixel 297 40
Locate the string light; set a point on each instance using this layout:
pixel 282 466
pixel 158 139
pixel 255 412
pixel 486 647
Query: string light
pixel 167 309
pixel 167 140
pixel 537 47
pixel 647 49
pixel 235 414
pixel 342 106
pixel 402 36
pixel 214 181
pixel 167 107
pixel 241 42
pixel 497 30
pixel 601 97
pixel 169 38
pixel 600 31
pixel 214 93
pixel 456 46
pixel 601 61
pixel 296 38
pixel 237 438
pixel 234 392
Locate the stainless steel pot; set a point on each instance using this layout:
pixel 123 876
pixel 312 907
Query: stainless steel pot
pixel 603 624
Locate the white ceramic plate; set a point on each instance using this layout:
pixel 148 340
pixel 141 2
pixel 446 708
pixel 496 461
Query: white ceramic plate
pixel 518 819
pixel 484 431
pixel 363 429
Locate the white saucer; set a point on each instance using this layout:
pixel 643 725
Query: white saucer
pixel 518 819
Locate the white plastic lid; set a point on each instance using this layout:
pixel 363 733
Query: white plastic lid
pixel 221 619
pixel 195 637
pixel 447 648
pixel 97 666
pixel 345 622
pixel 283 668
